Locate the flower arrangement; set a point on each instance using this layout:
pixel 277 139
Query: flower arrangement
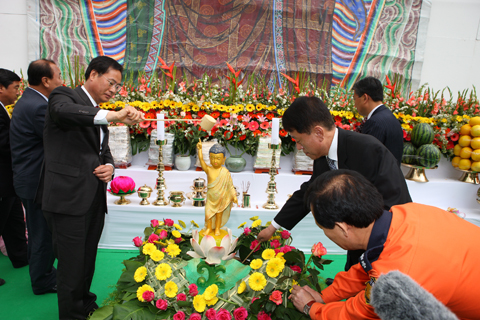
pixel 122 185
pixel 167 279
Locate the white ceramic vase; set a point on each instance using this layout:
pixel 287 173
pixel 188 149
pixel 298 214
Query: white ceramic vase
pixel 183 162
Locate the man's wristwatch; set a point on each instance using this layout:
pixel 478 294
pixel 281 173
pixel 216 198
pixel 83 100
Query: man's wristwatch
pixel 306 308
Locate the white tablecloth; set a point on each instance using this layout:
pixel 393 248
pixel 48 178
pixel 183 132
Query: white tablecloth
pixel 123 223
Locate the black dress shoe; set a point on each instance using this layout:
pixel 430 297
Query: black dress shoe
pixel 2 282
pixel 328 281
pixel 51 290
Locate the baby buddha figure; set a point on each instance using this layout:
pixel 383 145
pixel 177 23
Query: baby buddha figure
pixel 220 190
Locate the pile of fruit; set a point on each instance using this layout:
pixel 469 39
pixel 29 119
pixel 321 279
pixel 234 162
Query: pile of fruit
pixel 467 149
pixel 421 152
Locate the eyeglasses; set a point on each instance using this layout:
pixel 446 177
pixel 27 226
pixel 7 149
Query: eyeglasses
pixel 113 83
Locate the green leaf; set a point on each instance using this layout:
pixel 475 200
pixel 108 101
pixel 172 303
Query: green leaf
pixel 132 310
pixel 103 313
pixel 184 303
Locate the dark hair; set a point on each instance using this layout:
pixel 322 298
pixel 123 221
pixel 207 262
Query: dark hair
pixel 371 86
pixel 39 69
pixel 305 113
pixel 344 196
pixel 7 77
pixel 101 64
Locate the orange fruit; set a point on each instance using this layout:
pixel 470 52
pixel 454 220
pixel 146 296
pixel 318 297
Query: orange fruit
pixel 475 143
pixel 465 129
pixel 475 132
pixel 455 161
pixel 456 149
pixel 474 121
pixel 464 164
pixel 464 141
pixel 475 155
pixel 465 153
pixel 475 166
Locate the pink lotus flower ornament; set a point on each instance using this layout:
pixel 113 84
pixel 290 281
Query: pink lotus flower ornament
pixel 207 248
pixel 122 184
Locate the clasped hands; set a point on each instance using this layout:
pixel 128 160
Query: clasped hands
pixel 128 115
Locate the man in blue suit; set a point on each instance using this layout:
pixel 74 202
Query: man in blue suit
pixel 26 143
pixel 380 121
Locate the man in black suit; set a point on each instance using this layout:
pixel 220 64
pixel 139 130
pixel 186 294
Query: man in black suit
pixel 379 120
pixel 12 220
pixel 310 123
pixel 78 165
pixel 26 143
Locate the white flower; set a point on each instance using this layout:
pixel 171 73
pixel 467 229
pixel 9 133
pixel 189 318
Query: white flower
pixel 207 249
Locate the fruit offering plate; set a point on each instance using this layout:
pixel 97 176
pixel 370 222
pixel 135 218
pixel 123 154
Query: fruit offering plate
pixel 418 167
pixel 417 173
pixel 468 176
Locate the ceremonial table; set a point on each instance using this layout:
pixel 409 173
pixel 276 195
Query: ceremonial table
pixel 124 222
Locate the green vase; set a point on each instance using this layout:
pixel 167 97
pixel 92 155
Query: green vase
pixel 235 163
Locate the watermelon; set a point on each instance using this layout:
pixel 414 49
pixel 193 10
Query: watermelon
pixel 422 134
pixel 409 153
pixel 428 155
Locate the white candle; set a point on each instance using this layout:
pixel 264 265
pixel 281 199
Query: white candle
pixel 161 127
pixel 275 130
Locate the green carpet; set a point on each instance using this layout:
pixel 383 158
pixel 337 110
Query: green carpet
pixel 18 301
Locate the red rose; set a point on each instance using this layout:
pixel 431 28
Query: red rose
pixel 137 241
pixel 246 231
pixel 193 289
pixel 168 222
pixel 181 297
pixel 254 244
pixel 285 234
pixel 263 316
pixel 296 268
pixel 162 304
pixel 195 316
pixel 154 223
pixel 148 296
pixel 178 240
pixel 211 314
pixel 276 297
pixel 152 238
pixel 180 315
pixel 275 243
pixel 223 314
pixel 318 250
pixel 240 313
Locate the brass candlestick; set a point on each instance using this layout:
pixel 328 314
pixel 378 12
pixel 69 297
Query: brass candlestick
pixel 160 186
pixel 272 186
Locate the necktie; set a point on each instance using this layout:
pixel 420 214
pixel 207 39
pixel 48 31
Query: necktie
pixel 331 163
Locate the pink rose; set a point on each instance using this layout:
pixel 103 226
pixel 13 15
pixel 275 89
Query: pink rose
pixel 122 184
pixel 240 313
pixel 163 234
pixel 152 238
pixel 180 315
pixel 193 289
pixel 285 234
pixel 162 304
pixel 211 314
pixel 178 240
pixel 168 222
pixel 223 314
pixel 195 316
pixel 137 241
pixel 181 297
pixel 246 231
pixel 154 223
pixel 287 249
pixel 254 244
pixel 319 250
pixel 263 316
pixel 296 268
pixel 276 297
pixel 275 243
pixel 148 296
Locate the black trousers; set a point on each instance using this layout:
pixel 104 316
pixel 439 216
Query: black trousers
pixel 75 242
pixel 12 229
pixel 43 274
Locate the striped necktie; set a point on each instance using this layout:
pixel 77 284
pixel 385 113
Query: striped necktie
pixel 331 163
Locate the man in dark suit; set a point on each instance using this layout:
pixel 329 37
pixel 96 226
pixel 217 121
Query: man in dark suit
pixel 78 165
pixel 310 123
pixel 12 220
pixel 26 143
pixel 379 121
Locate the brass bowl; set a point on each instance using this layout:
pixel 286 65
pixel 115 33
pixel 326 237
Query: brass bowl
pixel 144 193
pixel 176 198
pixel 468 176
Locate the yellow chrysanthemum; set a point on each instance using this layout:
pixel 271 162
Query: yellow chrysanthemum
pixel 140 274
pixel 268 254
pixel 241 287
pixel 195 224
pixel 257 281
pixel 177 226
pixel 241 226
pixel 272 269
pixel 173 250
pixel 149 248
pixel 280 255
pixel 210 292
pixel 161 223
pixel 254 218
pixel 163 271
pixel 141 290
pixel 171 289
pixel 169 241
pixel 182 223
pixel 256 223
pixel 157 255
pixel 256 264
pixel 211 302
pixel 199 303
pixel 250 107
pixel 176 234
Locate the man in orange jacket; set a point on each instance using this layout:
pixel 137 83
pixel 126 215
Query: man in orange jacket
pixel 437 249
